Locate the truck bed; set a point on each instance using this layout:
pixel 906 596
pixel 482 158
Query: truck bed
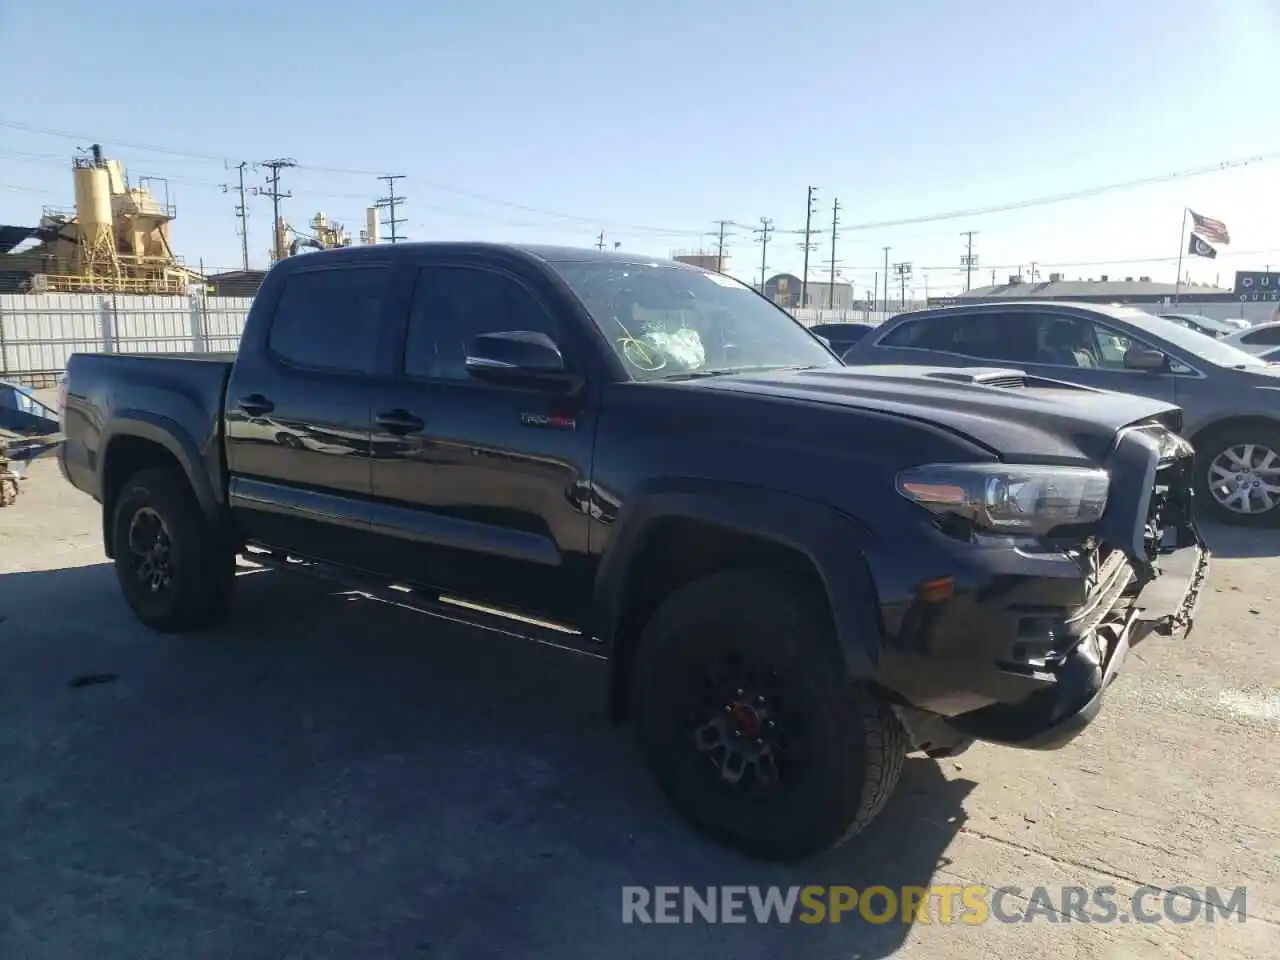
pixel 150 392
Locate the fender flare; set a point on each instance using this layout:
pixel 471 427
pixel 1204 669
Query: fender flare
pixel 174 440
pixel 832 541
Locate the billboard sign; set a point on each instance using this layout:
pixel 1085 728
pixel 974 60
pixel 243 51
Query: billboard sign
pixel 1257 285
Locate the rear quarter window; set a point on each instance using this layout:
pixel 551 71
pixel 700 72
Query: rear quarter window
pixel 329 319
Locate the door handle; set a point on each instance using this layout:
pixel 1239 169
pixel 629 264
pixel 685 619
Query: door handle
pixel 256 405
pixel 399 422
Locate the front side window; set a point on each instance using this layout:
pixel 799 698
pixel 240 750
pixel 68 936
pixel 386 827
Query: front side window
pixel 666 321
pixel 329 319
pixel 453 305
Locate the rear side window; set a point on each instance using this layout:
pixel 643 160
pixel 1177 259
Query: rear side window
pixel 328 319
pixel 1268 337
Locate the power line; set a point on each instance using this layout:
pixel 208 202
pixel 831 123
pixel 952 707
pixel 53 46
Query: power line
pixel 242 213
pixel 764 230
pixel 1219 167
pixel 1186 173
pixel 272 190
pixel 831 285
pixel 351 171
pixel 389 203
pixel 968 261
pixel 720 246
pixel 903 272
pixel 886 278
pixel 808 223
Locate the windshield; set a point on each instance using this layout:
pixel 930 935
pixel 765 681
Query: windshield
pixel 1189 341
pixel 668 322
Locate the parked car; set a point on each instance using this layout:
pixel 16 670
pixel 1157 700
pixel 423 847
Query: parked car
pixel 1209 326
pixel 796 571
pixel 1257 339
pixel 840 336
pixel 1230 398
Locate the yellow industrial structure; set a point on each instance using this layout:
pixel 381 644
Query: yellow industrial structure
pixel 325 236
pixel 116 240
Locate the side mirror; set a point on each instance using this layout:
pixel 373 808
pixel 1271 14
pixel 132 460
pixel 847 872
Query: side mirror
pixel 1149 361
pixel 520 358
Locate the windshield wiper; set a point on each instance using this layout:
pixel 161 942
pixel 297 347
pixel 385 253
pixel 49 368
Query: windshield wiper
pixel 758 368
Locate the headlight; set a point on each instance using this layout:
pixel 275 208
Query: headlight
pixel 1002 498
pixel 1172 446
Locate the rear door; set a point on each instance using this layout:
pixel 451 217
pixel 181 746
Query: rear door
pixel 297 419
pixel 477 486
pixel 972 338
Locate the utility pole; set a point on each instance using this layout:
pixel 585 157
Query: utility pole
pixel 831 284
pixel 272 190
pixel 903 271
pixel 968 261
pixel 242 212
pixel 390 201
pixel 600 241
pixel 1032 276
pixel 808 225
pixel 886 278
pixel 764 230
pixel 720 248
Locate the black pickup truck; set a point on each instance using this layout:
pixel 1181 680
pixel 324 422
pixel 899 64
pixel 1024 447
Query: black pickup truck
pixel 798 572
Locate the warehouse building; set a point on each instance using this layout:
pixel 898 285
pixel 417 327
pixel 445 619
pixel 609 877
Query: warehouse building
pixel 785 289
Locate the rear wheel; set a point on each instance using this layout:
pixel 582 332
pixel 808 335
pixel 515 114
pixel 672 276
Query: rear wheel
pixel 1238 474
pixel 174 569
pixel 749 724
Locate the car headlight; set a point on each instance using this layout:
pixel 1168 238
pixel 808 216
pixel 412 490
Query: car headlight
pixel 1011 499
pixel 1172 446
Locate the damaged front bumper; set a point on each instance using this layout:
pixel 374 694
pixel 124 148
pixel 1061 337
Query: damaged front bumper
pixel 1141 581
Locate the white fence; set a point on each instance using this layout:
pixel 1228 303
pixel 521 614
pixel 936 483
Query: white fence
pixel 38 332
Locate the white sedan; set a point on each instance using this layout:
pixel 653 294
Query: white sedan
pixel 1258 339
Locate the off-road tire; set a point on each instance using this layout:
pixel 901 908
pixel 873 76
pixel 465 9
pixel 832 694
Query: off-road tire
pixel 1208 447
pixel 202 563
pixel 858 745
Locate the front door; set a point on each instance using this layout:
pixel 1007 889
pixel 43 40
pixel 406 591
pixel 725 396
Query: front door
pixel 475 486
pixel 1079 350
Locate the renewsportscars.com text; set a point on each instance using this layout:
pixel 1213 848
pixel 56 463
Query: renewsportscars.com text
pixel 970 905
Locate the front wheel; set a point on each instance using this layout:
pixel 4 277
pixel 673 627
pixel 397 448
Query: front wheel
pixel 749 723
pixel 175 572
pixel 1238 474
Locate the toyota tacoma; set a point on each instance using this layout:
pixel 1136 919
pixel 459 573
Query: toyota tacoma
pixel 798 572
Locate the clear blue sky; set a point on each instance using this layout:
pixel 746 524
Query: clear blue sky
pixel 652 120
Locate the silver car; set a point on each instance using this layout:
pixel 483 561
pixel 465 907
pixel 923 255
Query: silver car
pixel 1230 398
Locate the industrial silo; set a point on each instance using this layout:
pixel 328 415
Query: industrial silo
pixel 93 214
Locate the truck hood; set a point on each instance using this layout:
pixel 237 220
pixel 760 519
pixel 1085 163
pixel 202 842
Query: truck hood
pixel 1016 416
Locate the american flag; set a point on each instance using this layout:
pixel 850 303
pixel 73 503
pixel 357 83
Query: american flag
pixel 1210 229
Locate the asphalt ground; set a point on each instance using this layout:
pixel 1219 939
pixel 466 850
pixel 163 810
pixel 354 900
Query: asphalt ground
pixel 329 776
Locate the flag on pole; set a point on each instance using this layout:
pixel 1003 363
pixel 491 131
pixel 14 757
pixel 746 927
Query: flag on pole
pixel 1214 230
pixel 1199 248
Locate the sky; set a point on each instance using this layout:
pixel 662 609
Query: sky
pixel 650 122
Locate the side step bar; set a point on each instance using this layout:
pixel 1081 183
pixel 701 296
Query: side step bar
pixel 444 607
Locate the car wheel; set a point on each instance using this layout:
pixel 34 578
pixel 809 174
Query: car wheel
pixel 176 572
pixel 745 715
pixel 1238 474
